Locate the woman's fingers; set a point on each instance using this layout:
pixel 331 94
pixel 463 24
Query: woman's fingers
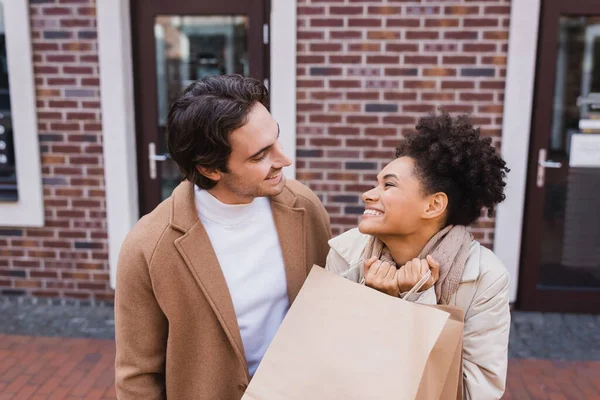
pixel 391 274
pixel 368 264
pixel 435 268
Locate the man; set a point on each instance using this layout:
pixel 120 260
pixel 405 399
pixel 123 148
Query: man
pixel 205 279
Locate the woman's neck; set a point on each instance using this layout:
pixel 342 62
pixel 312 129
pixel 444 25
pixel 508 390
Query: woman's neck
pixel 406 247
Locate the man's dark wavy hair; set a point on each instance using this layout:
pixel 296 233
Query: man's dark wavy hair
pixel 200 122
pixel 452 157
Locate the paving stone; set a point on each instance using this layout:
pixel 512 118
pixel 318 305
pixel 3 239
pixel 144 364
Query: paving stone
pixel 533 335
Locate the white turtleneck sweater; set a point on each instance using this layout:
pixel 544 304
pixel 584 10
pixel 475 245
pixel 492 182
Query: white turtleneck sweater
pixel 245 241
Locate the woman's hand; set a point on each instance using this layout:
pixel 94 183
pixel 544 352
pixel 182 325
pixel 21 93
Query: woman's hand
pixel 411 273
pixel 381 276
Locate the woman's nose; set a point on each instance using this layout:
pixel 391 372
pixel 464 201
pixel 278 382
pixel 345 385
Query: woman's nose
pixel 370 196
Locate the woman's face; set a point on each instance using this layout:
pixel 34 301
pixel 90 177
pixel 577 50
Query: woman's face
pixel 397 204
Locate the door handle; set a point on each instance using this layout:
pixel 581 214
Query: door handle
pixel 153 158
pixel 543 163
pixel 550 164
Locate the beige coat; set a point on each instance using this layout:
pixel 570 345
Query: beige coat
pixel 177 334
pixel 483 294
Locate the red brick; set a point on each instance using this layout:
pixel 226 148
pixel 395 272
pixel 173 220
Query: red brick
pixel 75 23
pixel 57 11
pixel 345 10
pixel 403 23
pixel 461 10
pixel 402 47
pixel 400 96
pixel 327 47
pixel 380 131
pixel 439 72
pixel 311 10
pixel 467 60
pixel 383 35
pixel 441 22
pixel 422 35
pixel 326 22
pixel 362 95
pixel 441 96
pixel 364 22
pixel 322 118
pixel 419 60
pixel 345 59
pixel 362 119
pixel 419 108
pixel 384 10
pixel 479 47
pixel 383 59
pixel 364 47
pixel 421 84
pixel 344 84
pixel 480 22
pixel 345 34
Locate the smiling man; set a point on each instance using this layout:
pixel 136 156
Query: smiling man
pixel 205 280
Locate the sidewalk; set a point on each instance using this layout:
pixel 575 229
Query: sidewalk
pixel 40 368
pixel 552 356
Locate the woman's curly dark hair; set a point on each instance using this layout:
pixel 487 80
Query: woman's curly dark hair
pixel 451 157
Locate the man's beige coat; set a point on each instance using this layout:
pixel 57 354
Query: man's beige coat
pixel 176 330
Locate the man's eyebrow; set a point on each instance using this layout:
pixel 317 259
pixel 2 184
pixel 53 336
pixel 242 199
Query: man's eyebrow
pixel 264 148
pixel 390 176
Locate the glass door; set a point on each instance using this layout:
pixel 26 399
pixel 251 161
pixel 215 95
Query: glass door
pixel 176 43
pixel 561 248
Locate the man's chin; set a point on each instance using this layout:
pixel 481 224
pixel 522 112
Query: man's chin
pixel 276 189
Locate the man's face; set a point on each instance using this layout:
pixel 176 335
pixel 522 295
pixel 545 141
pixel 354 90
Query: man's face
pixel 256 161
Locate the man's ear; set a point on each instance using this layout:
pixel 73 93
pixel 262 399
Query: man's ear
pixel 210 173
pixel 436 205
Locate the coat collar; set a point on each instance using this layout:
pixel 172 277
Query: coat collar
pixel 199 256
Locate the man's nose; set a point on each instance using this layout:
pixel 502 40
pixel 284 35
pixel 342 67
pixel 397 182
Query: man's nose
pixel 281 160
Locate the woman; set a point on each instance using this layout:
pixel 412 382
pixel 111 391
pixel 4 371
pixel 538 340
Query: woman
pixel 415 221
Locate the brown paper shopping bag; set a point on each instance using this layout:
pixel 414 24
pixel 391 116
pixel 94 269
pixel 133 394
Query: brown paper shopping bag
pixel 341 340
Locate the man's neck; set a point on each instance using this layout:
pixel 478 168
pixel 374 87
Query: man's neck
pixel 404 248
pixel 226 197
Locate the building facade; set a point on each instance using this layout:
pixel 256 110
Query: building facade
pixel 348 78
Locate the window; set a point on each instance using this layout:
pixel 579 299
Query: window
pixel 21 200
pixel 8 175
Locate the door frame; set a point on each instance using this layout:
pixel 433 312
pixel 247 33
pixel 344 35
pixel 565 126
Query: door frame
pixel 516 124
pixel 531 297
pixel 143 13
pixel 118 111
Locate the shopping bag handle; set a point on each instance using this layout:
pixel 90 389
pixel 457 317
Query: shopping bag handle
pixel 418 285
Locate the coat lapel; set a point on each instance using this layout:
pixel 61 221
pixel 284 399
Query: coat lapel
pixel 199 256
pixel 290 224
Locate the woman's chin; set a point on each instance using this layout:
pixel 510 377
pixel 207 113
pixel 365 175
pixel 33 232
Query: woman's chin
pixel 366 228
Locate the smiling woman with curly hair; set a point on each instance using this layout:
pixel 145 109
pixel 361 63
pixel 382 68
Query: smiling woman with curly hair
pixel 415 224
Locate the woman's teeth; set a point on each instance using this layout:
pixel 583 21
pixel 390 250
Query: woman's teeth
pixel 372 212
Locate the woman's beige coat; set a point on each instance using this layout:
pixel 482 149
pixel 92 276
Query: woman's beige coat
pixel 483 294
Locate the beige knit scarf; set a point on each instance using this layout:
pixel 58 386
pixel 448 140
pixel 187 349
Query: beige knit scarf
pixel 449 247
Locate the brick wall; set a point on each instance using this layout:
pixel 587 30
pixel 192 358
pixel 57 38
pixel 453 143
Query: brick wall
pixel 368 69
pixel 68 257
